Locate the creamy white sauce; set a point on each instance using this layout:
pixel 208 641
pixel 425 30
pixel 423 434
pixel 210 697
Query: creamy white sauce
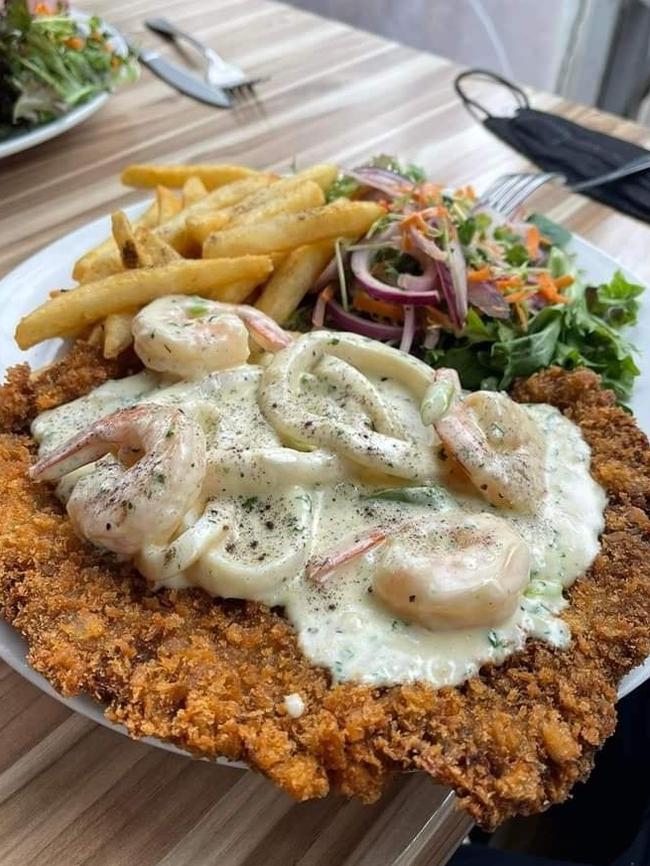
pixel 294 705
pixel 269 510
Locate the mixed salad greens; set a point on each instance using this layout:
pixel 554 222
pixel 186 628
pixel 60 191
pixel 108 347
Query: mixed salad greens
pixel 461 287
pixel 50 62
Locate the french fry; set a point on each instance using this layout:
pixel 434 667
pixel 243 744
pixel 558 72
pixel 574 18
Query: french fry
pixel 293 279
pixel 258 208
pixel 117 333
pixel 92 302
pixel 175 176
pixel 287 231
pixel 91 260
pixel 193 190
pixel 168 204
pixel 202 226
pixel 277 259
pixel 235 293
pixel 126 243
pixel 96 335
pixel 176 233
pixel 153 249
pixel 324 175
pixel 301 197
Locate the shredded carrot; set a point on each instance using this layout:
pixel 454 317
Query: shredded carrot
pixel 414 220
pixel 480 275
pixel 549 290
pixel 428 192
pixel 564 282
pixel 465 192
pixel 43 9
pixel 75 43
pixel 506 283
pixel 439 318
pixel 533 238
pixel 366 304
pixel 517 297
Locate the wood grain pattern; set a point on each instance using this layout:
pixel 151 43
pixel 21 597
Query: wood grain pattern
pixel 74 793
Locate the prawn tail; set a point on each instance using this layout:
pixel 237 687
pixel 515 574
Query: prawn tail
pixel 73 454
pixel 319 570
pixel 267 333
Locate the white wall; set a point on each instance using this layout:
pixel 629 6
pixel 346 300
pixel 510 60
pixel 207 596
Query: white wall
pixel 534 33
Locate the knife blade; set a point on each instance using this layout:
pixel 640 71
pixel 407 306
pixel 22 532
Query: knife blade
pixel 181 80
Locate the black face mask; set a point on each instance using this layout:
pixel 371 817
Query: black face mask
pixel 558 145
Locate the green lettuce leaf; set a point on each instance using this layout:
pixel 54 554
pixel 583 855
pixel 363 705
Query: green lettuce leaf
pixel 615 302
pixel 557 234
pixel 582 333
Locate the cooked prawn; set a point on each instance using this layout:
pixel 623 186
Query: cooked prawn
pixel 191 336
pixel 492 438
pixel 141 497
pixel 457 571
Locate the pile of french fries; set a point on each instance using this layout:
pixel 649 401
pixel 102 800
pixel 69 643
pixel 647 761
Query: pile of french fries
pixel 228 233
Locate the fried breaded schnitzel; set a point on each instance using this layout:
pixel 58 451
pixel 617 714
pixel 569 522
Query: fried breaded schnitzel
pixel 211 675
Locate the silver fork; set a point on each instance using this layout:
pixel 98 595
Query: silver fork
pixel 217 72
pixel 509 191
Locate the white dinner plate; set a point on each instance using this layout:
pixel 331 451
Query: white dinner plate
pixel 29 284
pixel 24 139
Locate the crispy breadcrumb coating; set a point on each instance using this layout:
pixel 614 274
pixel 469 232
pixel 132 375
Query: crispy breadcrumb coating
pixel 211 675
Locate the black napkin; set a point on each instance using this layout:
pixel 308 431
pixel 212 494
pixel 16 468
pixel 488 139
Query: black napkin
pixel 556 144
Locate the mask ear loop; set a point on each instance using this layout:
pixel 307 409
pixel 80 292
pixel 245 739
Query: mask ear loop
pixel 478 111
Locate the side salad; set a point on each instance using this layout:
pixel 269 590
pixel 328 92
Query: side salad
pixel 462 288
pixel 51 62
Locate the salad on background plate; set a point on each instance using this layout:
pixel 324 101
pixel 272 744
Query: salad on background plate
pixel 53 61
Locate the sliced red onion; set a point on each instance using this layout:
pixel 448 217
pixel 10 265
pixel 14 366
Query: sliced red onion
pixel 453 282
pixel 329 274
pixel 486 298
pixel 426 281
pixel 385 181
pixel 408 332
pixel 536 302
pixel 458 269
pixel 431 338
pixel 348 321
pixel 318 313
pixel 427 245
pixel 360 264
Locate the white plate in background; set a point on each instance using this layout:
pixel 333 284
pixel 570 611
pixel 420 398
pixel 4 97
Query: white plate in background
pixel 23 139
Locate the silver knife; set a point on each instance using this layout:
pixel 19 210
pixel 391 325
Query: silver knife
pixel 180 79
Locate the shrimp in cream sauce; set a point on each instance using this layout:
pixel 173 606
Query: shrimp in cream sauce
pixel 190 337
pixel 404 535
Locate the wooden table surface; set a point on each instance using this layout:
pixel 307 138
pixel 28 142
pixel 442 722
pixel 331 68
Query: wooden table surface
pixel 72 792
